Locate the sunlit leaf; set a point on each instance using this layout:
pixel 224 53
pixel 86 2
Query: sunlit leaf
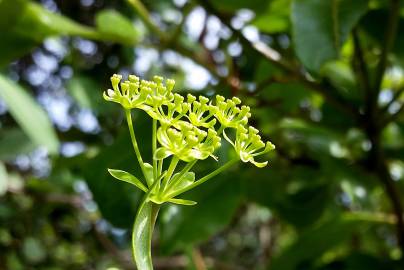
pixel 127 177
pixel 113 25
pixel 29 115
pixel 323 25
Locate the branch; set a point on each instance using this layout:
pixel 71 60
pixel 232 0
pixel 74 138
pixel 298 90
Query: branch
pixel 390 36
pixel 360 65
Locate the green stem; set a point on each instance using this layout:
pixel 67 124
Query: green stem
pixel 171 168
pixel 205 178
pixel 160 166
pixel 154 147
pixel 183 171
pixel 134 141
pixel 146 18
pixel 142 233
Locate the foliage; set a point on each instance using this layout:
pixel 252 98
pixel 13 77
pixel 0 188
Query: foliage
pixel 324 81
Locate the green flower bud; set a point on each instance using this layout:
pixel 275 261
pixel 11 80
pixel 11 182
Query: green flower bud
pixel 229 114
pixel 248 145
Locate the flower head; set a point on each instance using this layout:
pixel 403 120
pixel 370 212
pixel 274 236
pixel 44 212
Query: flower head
pixel 200 112
pixel 229 113
pixel 127 93
pixel 159 93
pixel 248 145
pixel 187 143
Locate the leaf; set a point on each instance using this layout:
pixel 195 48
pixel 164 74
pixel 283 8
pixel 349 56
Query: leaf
pixel 87 92
pixel 185 226
pixel 375 25
pixel 182 202
pixel 112 199
pixel 149 174
pixel 321 27
pixel 127 177
pixel 12 45
pixel 161 153
pixel 187 179
pixel 234 5
pixel 20 15
pixel 115 26
pixel 29 115
pixel 44 23
pixel 275 19
pixel 117 203
pixel 325 237
pixel 14 142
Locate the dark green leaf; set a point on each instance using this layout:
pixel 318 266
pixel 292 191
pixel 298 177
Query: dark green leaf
pixel 14 142
pixel 320 28
pixel 217 202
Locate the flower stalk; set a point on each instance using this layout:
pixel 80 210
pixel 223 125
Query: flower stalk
pixel 186 131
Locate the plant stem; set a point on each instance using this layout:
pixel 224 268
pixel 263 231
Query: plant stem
pixel 154 147
pixel 134 141
pixel 142 233
pixel 205 178
pixel 146 18
pixel 160 166
pixel 171 168
pixel 183 171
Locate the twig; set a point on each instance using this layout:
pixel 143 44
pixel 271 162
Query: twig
pixel 198 260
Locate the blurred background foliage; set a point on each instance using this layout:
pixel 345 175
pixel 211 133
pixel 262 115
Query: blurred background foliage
pixel 324 79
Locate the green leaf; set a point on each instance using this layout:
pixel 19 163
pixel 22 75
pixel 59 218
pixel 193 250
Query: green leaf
pixel 182 202
pixel 127 177
pixel 234 5
pixel 187 179
pixel 44 23
pixel 321 27
pixel 375 25
pixel 275 19
pixel 12 45
pixel 115 26
pixel 87 93
pixel 14 142
pixel 320 239
pixel 113 199
pixel 149 174
pixel 29 115
pixel 217 203
pixel 161 153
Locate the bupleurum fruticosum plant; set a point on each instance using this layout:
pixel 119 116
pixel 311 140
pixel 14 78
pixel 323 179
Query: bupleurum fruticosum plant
pixel 184 130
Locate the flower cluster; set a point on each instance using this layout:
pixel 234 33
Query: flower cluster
pixel 190 128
